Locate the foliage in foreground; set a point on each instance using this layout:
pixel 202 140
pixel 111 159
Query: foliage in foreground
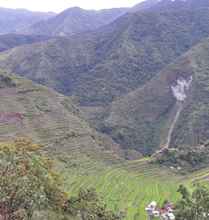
pixel 89 206
pixel 28 184
pixel 193 206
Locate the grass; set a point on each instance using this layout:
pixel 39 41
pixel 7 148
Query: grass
pixel 127 187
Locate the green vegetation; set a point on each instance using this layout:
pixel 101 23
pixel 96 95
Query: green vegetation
pixel 123 78
pixel 47 117
pixel 126 187
pixel 102 66
pixel 141 119
pixel 16 20
pixel 75 21
pixel 89 206
pixel 6 82
pixel 123 74
pixel 29 185
pixel 188 158
pixel 9 41
pixel 193 206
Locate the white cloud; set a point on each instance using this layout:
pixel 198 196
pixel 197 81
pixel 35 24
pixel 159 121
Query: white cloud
pixel 59 5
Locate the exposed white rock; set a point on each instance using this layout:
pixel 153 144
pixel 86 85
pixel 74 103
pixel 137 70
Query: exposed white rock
pixel 180 91
pixel 182 86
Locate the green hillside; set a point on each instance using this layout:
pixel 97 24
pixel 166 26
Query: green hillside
pixel 49 118
pixel 8 41
pixel 128 186
pixel 141 120
pixel 75 21
pixel 98 67
pixel 83 157
pixel 114 64
pixel 16 20
pixel 105 112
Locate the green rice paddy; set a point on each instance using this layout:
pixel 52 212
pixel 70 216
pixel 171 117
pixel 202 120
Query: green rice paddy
pixel 127 187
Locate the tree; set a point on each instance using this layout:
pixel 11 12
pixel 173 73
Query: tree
pixel 193 206
pixel 29 185
pixel 27 182
pixel 88 206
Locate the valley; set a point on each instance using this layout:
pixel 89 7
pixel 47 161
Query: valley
pixel 128 186
pixel 103 112
pixel 105 69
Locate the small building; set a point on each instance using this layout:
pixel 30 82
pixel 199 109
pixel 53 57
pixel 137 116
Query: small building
pixel 164 213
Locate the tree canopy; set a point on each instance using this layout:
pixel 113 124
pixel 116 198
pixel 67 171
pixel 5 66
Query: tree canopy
pixel 193 206
pixel 28 184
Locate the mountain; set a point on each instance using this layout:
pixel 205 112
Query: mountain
pixel 76 152
pixel 47 117
pixel 104 69
pixel 153 5
pixel 8 41
pixel 15 20
pixel 98 67
pixel 144 5
pixel 171 110
pixel 75 20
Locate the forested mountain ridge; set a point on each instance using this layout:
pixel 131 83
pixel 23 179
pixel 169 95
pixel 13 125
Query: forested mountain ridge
pixel 8 41
pixel 74 21
pixel 142 118
pixel 117 100
pixel 156 5
pixel 16 20
pixel 114 60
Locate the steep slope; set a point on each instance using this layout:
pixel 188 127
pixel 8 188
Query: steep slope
pixel 15 20
pixel 172 110
pixel 114 60
pixel 49 118
pixel 145 5
pixel 74 21
pixel 153 5
pixel 9 41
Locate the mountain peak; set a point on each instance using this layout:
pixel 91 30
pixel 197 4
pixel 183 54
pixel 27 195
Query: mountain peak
pixel 73 9
pixel 74 21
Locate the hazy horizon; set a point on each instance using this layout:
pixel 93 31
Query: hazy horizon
pixel 60 5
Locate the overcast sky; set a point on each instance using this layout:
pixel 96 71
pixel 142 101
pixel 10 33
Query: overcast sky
pixel 59 5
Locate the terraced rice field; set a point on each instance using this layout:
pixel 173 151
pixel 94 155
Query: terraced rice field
pixel 128 187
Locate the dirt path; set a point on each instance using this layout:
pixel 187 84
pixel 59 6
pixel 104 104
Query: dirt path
pixel 171 129
pixel 179 109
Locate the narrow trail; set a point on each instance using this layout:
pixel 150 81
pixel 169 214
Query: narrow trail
pixel 179 90
pixel 180 107
pixel 171 129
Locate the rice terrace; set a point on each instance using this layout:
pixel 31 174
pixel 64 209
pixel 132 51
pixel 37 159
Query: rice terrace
pixel 104 110
pixel 128 187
